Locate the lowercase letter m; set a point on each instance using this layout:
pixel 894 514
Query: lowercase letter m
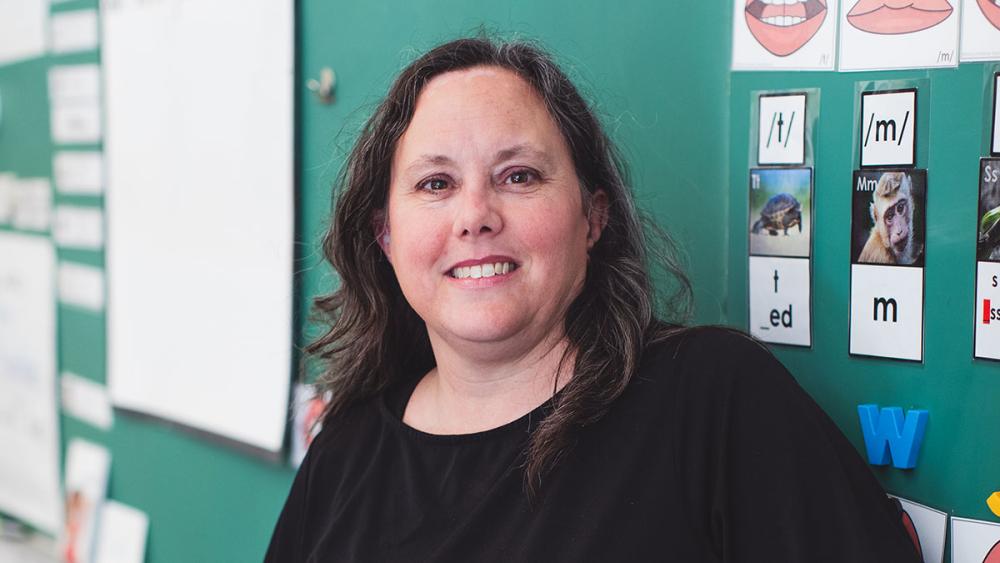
pixel 887 433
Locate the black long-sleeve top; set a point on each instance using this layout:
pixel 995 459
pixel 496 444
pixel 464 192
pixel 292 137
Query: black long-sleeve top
pixel 713 453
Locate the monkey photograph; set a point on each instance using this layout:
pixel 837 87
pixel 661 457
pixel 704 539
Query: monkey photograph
pixel 888 217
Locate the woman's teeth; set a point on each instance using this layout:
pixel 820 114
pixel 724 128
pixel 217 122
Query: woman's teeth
pixel 482 270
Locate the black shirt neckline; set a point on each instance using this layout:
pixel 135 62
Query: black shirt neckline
pixel 393 404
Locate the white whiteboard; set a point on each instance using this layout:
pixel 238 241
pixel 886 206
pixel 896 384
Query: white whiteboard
pixel 29 431
pixel 199 149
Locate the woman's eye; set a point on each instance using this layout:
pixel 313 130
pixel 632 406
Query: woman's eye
pixel 434 185
pixel 521 177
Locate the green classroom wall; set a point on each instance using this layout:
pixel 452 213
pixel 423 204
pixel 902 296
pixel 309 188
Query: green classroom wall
pixel 660 85
pixel 663 88
pixel 956 469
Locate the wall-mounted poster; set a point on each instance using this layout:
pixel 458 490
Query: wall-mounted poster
pixel 781 130
pixel 87 468
pixel 780 233
pixel 29 430
pixel 974 541
pixel 995 135
pixel 888 128
pixel 980 30
pixel 784 34
pixel 926 527
pixel 236 246
pixel 987 311
pixel 887 257
pixel 888 34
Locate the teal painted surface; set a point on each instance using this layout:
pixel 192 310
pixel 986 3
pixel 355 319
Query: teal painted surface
pixel 956 470
pixel 662 86
pixel 658 82
pixel 205 502
pixel 659 85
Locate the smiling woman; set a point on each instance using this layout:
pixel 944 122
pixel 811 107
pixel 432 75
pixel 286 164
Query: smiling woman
pixel 502 386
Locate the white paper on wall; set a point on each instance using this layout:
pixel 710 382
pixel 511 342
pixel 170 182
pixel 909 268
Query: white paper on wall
pixel 929 525
pixel 887 311
pixel 886 34
pixel 81 285
pixel 75 103
pixel 220 166
pixel 78 172
pixel 74 83
pixel 86 400
pixel 32 204
pixel 87 469
pixel 29 432
pixel 23 29
pixel 73 31
pixel 980 30
pixel 7 182
pixel 80 227
pixel 974 541
pixel 76 122
pixel 122 536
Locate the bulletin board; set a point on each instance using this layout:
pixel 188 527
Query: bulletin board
pixel 955 471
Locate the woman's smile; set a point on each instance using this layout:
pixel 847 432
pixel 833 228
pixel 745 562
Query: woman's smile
pixel 483 268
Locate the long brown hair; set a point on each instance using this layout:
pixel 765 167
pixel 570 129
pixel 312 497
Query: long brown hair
pixel 374 337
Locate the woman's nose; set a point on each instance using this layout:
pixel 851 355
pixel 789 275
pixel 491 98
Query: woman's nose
pixel 478 211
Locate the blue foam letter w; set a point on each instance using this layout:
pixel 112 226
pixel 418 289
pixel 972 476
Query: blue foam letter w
pixel 887 432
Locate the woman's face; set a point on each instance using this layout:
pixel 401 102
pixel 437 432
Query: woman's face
pixel 486 228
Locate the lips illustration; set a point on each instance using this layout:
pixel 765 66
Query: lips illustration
pixel 991 9
pixel 784 26
pixel 911 530
pixel 994 554
pixel 894 17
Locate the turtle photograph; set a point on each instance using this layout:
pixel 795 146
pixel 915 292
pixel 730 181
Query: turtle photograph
pixel 781 212
pixel 988 228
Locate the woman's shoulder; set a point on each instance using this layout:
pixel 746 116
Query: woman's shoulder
pixel 704 351
pixel 712 366
pixel 347 428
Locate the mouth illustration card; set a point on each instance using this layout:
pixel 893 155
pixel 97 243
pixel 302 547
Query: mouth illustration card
pixel 981 30
pixel 974 541
pixel 926 527
pixel 784 34
pixel 892 34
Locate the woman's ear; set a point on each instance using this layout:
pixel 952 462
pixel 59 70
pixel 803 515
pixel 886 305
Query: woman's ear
pixel 597 217
pixel 380 226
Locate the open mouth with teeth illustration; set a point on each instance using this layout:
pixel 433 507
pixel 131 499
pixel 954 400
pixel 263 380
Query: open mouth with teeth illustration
pixel 894 17
pixel 784 26
pixel 991 9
